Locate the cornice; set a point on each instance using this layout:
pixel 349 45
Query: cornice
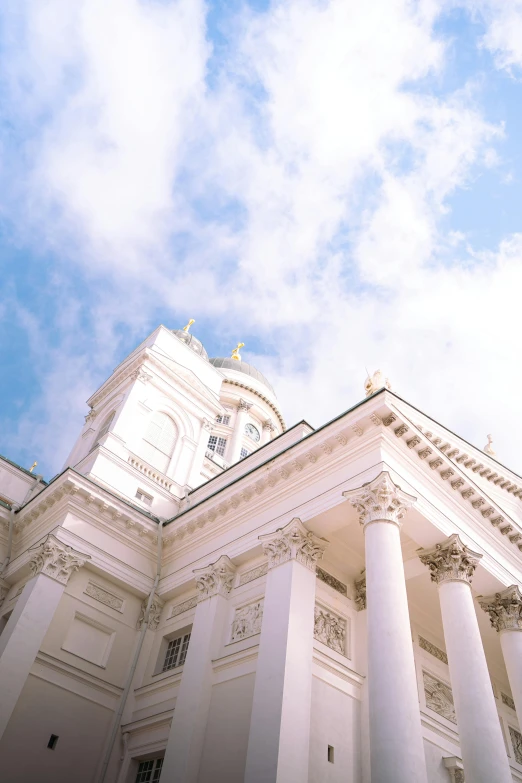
pixel 262 396
pixel 443 464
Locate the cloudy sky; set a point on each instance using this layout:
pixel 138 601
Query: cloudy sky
pixel 337 184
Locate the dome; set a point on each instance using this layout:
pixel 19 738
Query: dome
pixel 191 341
pixel 239 366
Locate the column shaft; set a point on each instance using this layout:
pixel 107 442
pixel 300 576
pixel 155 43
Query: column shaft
pixel 483 750
pixel 511 643
pixel 396 745
pixel 22 637
pixel 278 746
pixel 239 430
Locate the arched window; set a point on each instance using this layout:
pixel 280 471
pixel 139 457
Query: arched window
pixel 159 441
pixel 104 429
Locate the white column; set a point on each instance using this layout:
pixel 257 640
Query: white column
pixel 268 428
pixel 484 756
pixel 505 612
pixel 239 431
pixel 278 744
pixel 396 745
pixel 51 566
pixel 187 731
pixel 195 477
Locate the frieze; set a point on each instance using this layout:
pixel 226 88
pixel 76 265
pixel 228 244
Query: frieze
pixel 247 621
pixel 330 629
pixel 516 741
pixel 331 581
pixel 190 603
pixel 104 596
pixel 439 697
pixel 254 573
pixel 507 700
pixel 360 593
pixel 433 650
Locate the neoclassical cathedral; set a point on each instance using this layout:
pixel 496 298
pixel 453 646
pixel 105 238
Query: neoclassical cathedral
pixel 205 596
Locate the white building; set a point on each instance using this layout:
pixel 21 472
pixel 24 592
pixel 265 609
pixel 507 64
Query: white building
pixel 205 594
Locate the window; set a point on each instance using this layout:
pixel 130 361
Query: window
pixel 176 652
pixel 149 771
pixel 223 420
pixel 141 495
pixel 217 444
pixel 159 441
pixel 244 453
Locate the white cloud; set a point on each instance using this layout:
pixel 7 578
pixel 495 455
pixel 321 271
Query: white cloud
pixel 322 126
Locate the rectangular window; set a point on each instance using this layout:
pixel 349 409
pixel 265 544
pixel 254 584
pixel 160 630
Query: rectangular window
pixel 244 453
pixel 176 652
pixel 330 754
pixel 141 495
pixel 149 771
pixel 217 444
pixel 223 420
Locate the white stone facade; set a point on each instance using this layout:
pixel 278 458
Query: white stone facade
pixel 341 605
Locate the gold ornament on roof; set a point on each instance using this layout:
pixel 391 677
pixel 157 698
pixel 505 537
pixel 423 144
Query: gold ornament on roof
pixel 376 382
pixel 187 327
pixel 33 466
pixel 488 448
pixel 235 352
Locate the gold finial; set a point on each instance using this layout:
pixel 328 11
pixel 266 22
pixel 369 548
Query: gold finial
pixel 235 352
pixel 33 467
pixel 376 382
pixel 488 448
pixel 187 327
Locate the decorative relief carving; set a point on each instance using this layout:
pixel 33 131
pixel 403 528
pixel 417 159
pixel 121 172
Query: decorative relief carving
pixel 439 697
pixel 508 701
pixel 293 541
pixel 141 375
pixel 56 560
pixel 360 593
pixel 433 650
pixel 468 493
pixel 154 614
pixel 436 463
pixel 104 596
pixel 455 769
pixel 450 561
pixel 268 425
pixel 458 483
pixel 91 415
pixel 389 419
pixel 516 741
pixel 446 474
pixel 341 439
pixel 401 430
pixel 244 405
pixel 423 453
pixel 331 581
pixel 330 629
pixel 216 578
pixel 190 603
pixel 376 419
pixel 357 429
pixel 254 573
pixel 380 500
pixel 412 442
pixel 247 621
pixel 504 609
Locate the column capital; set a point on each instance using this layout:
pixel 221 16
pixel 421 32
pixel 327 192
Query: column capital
pixel 450 561
pixel 216 578
pixel 504 609
pixel 56 560
pixel 293 542
pixel 243 405
pixel 268 425
pixel 154 614
pixel 207 425
pixel 380 500
pixel 360 592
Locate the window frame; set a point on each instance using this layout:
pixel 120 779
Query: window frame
pixel 156 765
pixel 183 637
pixel 214 447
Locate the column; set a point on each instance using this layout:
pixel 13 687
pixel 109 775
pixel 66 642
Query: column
pixel 505 612
pixel 396 745
pixel 452 565
pixel 187 731
pixel 278 744
pixel 268 429
pixel 239 431
pixel 51 567
pixel 195 477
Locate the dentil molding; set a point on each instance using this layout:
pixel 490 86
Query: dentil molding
pixel 380 500
pixel 293 542
pixel 56 560
pixel 504 609
pixel 450 561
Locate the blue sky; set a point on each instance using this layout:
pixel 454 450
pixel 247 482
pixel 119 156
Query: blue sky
pixel 336 184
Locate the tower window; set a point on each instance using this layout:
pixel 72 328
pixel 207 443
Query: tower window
pixel 149 771
pixel 244 453
pixel 176 652
pixel 217 444
pixel 223 420
pixel 159 441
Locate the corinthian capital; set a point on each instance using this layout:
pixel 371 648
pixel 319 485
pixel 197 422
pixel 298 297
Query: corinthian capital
pixel 380 501
pixel 56 560
pixel 154 614
pixel 216 578
pixel 244 405
pixel 451 561
pixel 504 609
pixel 293 542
